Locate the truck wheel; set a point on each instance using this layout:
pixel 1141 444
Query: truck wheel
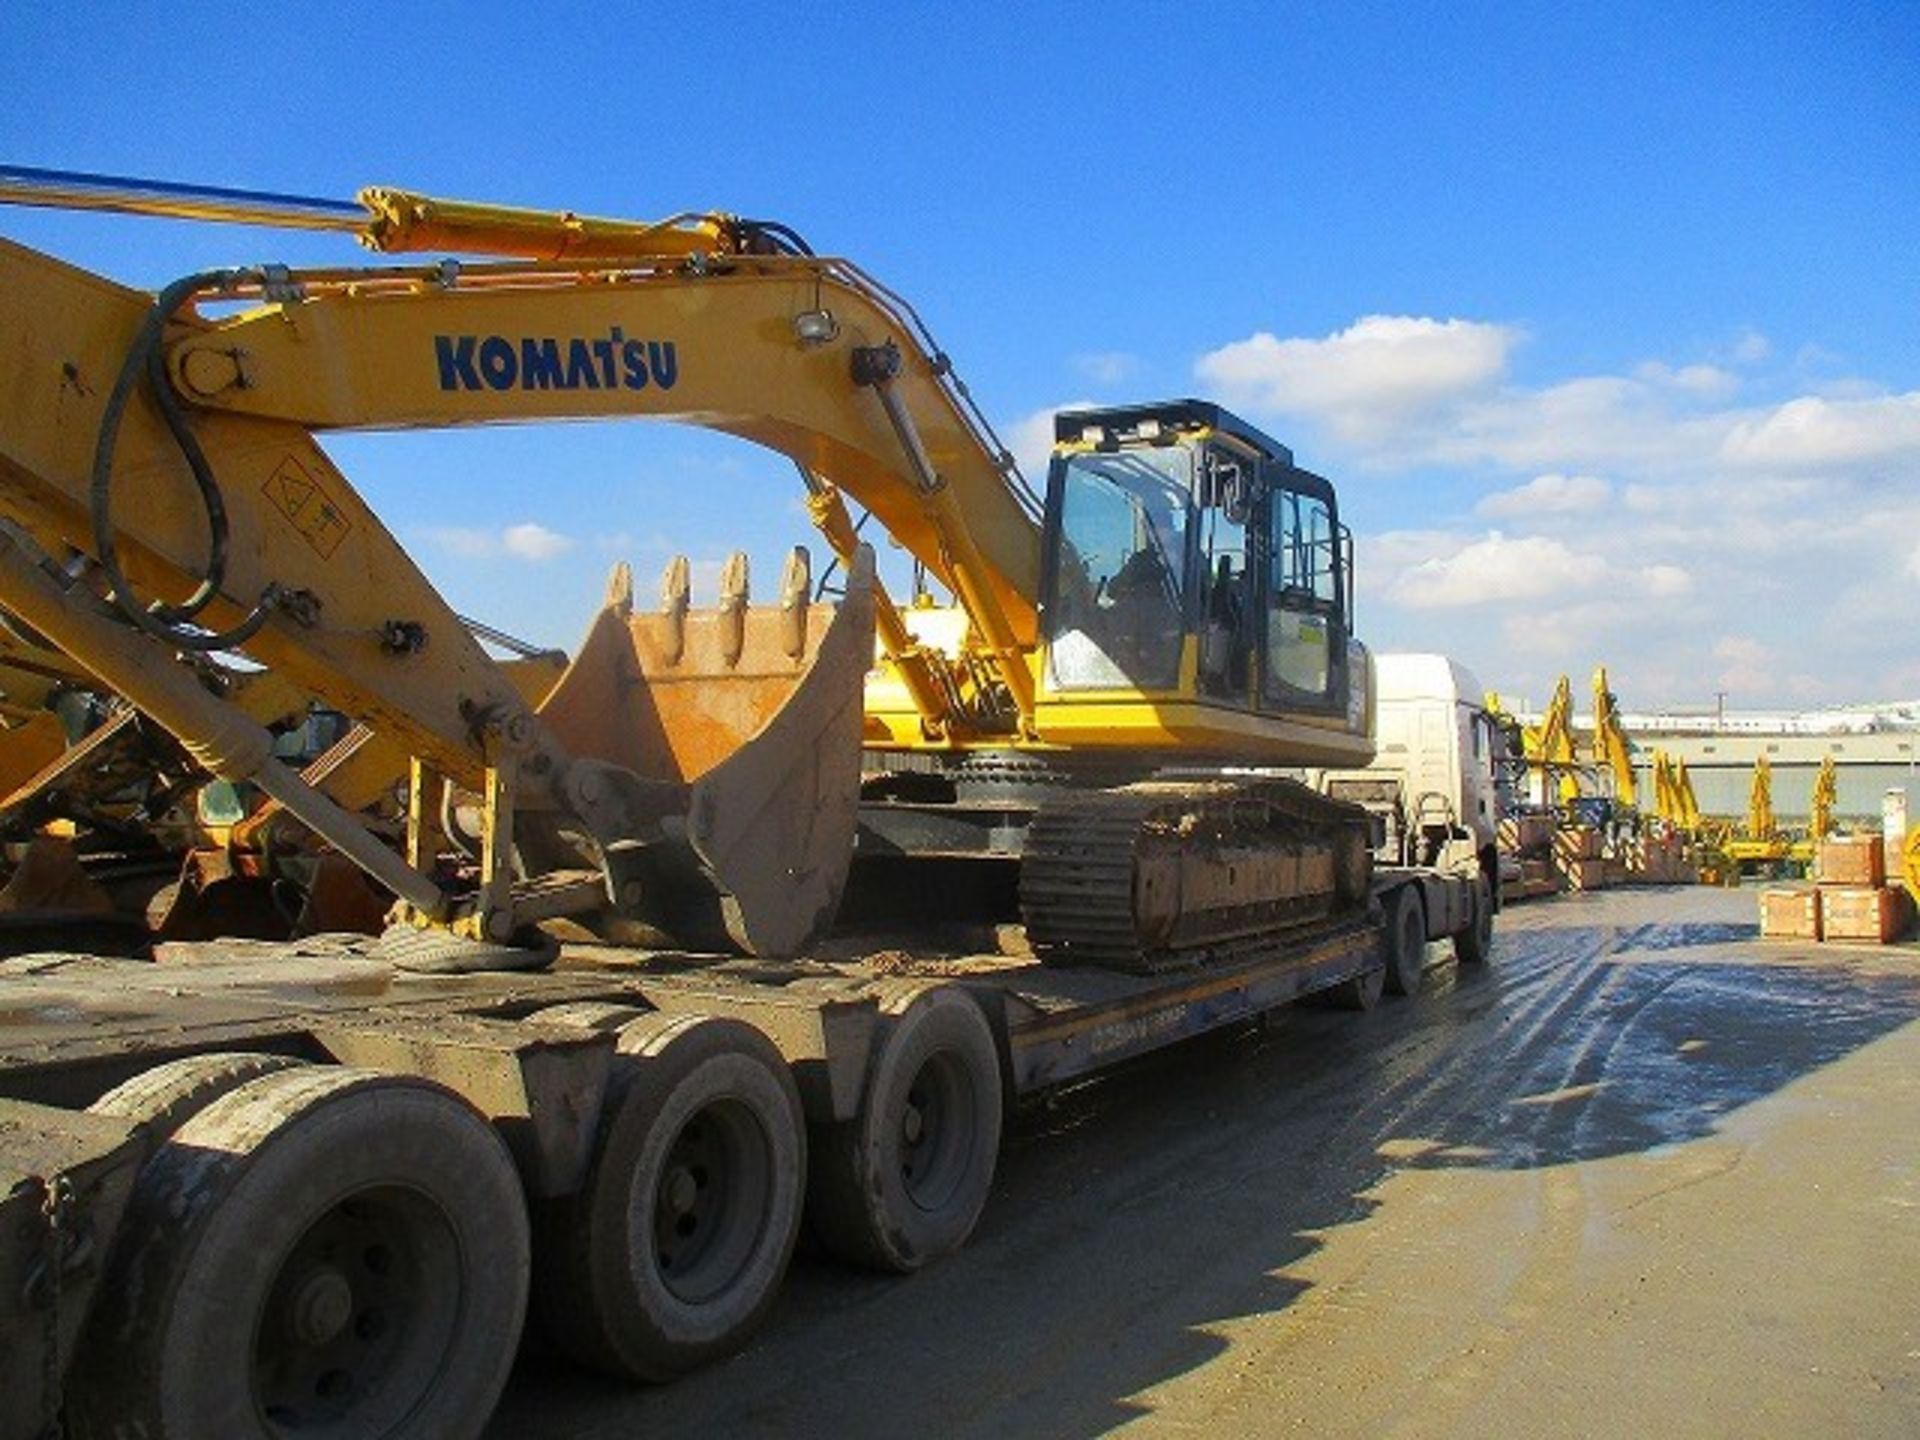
pixel 167 1096
pixel 1474 944
pixel 323 1249
pixel 905 1180
pixel 1405 942
pixel 671 1252
pixel 1362 992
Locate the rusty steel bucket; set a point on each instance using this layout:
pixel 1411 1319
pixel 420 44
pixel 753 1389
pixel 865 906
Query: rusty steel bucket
pixel 755 714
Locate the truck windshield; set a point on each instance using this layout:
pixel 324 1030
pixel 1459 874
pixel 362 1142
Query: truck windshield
pixel 1119 591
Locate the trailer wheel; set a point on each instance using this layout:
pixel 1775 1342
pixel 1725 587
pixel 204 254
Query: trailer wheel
pixel 323 1250
pixel 672 1250
pixel 1474 944
pixel 1362 992
pixel 905 1180
pixel 167 1096
pixel 1405 941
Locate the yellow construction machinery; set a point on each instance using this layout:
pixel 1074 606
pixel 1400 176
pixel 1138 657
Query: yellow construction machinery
pixel 1826 791
pixel 1547 748
pixel 1182 596
pixel 1759 840
pixel 1612 751
pixel 1674 801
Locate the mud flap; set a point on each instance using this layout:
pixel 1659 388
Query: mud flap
pixel 753 717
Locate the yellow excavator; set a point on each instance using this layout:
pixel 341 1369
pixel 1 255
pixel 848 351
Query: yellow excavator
pixel 1180 597
pixel 1674 801
pixel 1612 751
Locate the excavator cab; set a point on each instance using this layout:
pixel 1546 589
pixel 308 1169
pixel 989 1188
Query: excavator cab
pixel 1193 569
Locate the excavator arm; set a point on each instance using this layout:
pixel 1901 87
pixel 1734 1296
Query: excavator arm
pixel 167 459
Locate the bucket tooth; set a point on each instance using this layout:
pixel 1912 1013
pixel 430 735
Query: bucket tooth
pixel 733 607
pixel 676 595
pixel 620 589
pixel 751 718
pixel 796 591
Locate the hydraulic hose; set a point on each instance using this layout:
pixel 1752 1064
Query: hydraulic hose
pixel 146 357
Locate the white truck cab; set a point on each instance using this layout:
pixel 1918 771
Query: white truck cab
pixel 1432 790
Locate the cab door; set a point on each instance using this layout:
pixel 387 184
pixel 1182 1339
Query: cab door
pixel 1303 613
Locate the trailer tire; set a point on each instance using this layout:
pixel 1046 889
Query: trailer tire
pixel 167 1096
pixel 702 1147
pixel 1404 939
pixel 323 1247
pixel 1474 944
pixel 905 1180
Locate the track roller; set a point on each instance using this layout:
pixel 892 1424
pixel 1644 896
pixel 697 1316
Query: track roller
pixel 323 1250
pixel 905 1180
pixel 672 1250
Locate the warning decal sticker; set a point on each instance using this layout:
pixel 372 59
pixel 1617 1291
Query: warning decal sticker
pixel 295 492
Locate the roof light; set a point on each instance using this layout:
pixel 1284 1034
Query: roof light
pixel 815 327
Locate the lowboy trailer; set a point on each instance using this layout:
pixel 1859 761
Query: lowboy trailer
pixel 261 1188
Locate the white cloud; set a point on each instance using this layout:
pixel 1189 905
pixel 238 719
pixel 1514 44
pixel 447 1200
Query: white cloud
pixel 527 541
pixel 1816 433
pixel 531 541
pixel 1440 571
pixel 1707 381
pixel 1495 570
pixel 1366 379
pixel 1399 391
pixel 1756 479
pixel 1107 367
pixel 1663 582
pixel 1550 494
pixel 1031 438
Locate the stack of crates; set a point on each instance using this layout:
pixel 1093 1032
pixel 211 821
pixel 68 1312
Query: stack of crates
pixel 1577 856
pixel 1856 903
pixel 1529 839
pixel 1852 900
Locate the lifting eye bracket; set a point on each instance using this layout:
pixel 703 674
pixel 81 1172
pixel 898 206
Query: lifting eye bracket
pixel 876 365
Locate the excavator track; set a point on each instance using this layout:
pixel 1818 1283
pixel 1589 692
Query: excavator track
pixel 1171 874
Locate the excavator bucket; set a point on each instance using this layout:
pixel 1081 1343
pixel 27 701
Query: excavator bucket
pixel 754 714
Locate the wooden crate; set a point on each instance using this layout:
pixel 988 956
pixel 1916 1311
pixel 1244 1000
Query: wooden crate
pixel 1526 834
pixel 1855 860
pixel 1576 842
pixel 1790 913
pixel 1851 912
pixel 1584 874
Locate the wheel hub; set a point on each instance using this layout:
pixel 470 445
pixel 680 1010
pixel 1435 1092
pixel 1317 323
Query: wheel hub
pixel 322 1304
pixel 681 1190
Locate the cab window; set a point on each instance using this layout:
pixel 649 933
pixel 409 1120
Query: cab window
pixel 1303 641
pixel 1120 577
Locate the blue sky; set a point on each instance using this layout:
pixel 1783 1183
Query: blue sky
pixel 1605 323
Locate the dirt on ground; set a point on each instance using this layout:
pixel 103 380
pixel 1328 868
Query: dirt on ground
pixel 1643 1175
